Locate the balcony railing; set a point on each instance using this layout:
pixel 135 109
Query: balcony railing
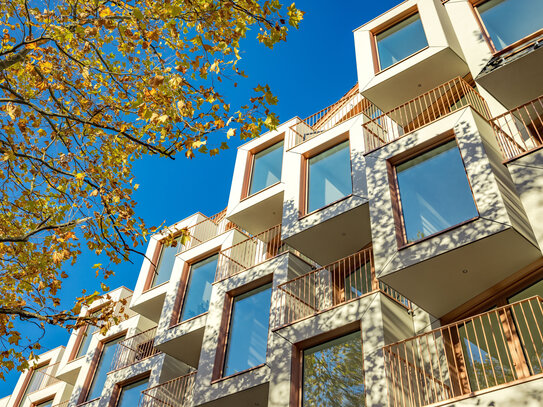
pixel 174 393
pixel 349 106
pixel 421 111
pixel 134 349
pixel 520 130
pixel 329 286
pixel 206 230
pixel 43 378
pixel 495 348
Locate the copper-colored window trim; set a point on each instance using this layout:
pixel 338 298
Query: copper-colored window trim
pixel 26 381
pixel 258 192
pixel 82 332
pixel 393 162
pixel 44 400
pixel 118 388
pixel 222 379
pixel 148 286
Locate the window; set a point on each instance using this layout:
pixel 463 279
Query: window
pixel 266 169
pixel 332 373
pixel 87 337
pixel 434 192
pixel 508 21
pixel 48 403
pixel 198 291
pixel 329 177
pixel 248 334
pixel 400 41
pixel 102 369
pixel 130 393
pixel 36 382
pixel 164 266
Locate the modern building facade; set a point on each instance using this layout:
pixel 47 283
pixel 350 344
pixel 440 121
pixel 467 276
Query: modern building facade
pixel 385 251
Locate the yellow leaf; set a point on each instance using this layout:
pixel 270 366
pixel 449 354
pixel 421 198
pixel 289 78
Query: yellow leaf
pixel 106 12
pixel 80 176
pixel 231 133
pixel 46 67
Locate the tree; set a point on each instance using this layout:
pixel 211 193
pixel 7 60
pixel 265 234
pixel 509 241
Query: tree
pixel 87 88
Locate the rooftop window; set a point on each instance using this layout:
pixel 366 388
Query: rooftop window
pixel 266 169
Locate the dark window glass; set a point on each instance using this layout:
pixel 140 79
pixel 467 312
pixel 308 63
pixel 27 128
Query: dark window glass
pixel 165 263
pixel 329 177
pixel 434 192
pixel 248 335
pixel 534 289
pixel 400 41
pixel 333 373
pixel 130 394
pixel 102 369
pixel 266 168
pixel 508 21
pixel 198 292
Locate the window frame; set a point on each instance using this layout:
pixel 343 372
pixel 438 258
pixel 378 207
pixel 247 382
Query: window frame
pixel 42 401
pixel 397 209
pixel 82 332
pixel 297 361
pixel 404 15
pixel 250 162
pixel 224 330
pixel 304 175
pixel 118 388
pixel 151 275
pixel 26 381
pixel 475 9
pixel 183 286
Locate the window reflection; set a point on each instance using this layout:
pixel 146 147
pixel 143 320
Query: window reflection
pixel 130 394
pixel 333 373
pixel 199 284
pixel 508 21
pixel 329 177
pixel 400 41
pixel 103 367
pixel 266 168
pixel 248 336
pixel 165 263
pixel 434 192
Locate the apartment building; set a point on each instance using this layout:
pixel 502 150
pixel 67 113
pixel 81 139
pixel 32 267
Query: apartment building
pixel 384 251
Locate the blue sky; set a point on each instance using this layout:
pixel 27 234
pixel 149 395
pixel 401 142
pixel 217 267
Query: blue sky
pixel 310 71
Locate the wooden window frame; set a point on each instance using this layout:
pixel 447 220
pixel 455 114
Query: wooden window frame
pixel 44 400
pixel 94 365
pixel 224 330
pixel 151 275
pixel 250 162
pixel 26 381
pixel 118 388
pixel 304 173
pixel 297 363
pixel 397 210
pixel 399 18
pixel 183 285
pixel 82 332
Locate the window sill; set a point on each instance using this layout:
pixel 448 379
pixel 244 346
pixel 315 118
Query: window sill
pixel 238 373
pixel 305 215
pixel 258 192
pixel 188 320
pixel 156 286
pixel 379 71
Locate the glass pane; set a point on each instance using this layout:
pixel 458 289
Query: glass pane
pixel 48 403
pixel 198 293
pixel 267 168
pixel 400 41
pixel 434 192
pixel 130 394
pixel 90 329
pixel 36 381
pixel 165 264
pixel 533 290
pixel 329 177
pixel 248 337
pixel 358 282
pixel 508 21
pixel 104 366
pixel 333 373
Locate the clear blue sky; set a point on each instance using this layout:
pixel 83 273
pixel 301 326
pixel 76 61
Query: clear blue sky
pixel 310 71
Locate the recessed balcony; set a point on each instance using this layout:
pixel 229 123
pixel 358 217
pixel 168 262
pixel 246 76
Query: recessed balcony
pixel 134 349
pixel 177 392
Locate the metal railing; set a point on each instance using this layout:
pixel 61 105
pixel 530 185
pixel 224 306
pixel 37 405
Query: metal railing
pixel 495 348
pixel 329 286
pixel 349 106
pixel 520 130
pixel 134 349
pixel 174 393
pixel 421 111
pixel 43 378
pixel 206 230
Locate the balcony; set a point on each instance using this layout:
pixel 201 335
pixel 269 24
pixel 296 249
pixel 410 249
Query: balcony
pixel 176 392
pixel 501 347
pixel 520 131
pixel 206 230
pixel 349 106
pixel 41 379
pixel 330 286
pixel 134 349
pixel 421 111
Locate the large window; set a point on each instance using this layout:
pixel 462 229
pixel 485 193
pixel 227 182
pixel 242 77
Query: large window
pixel 400 41
pixel 102 369
pixel 198 291
pixel 248 333
pixel 266 169
pixel 329 177
pixel 87 337
pixel 508 21
pixel 333 373
pixel 164 266
pixel 37 379
pixel 130 394
pixel 434 192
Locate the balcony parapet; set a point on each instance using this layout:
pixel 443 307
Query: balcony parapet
pixel 176 392
pixel 135 348
pixel 328 287
pixel 520 131
pixel 501 347
pixel 42 379
pixel 421 111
